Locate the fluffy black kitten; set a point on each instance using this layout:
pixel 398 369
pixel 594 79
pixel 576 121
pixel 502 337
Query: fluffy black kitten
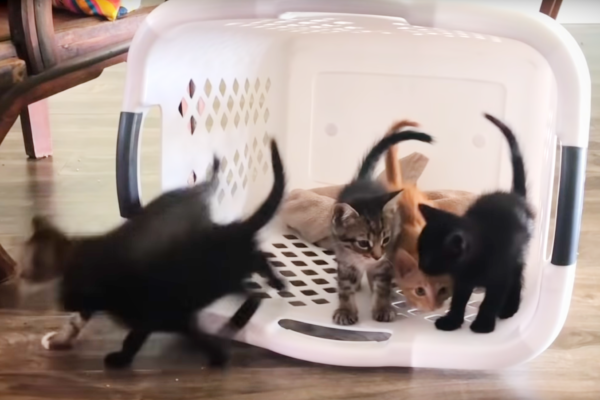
pixel 484 248
pixel 153 285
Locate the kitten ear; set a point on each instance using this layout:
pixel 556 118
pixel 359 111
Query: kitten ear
pixel 456 243
pixel 42 224
pixel 342 212
pixel 404 264
pixel 428 212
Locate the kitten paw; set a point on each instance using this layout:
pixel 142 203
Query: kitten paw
pixel 508 311
pixel 384 314
pixel 53 341
pixel 117 360
pixel 448 323
pixel 344 316
pixel 483 325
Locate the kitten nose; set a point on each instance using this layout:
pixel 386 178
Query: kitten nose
pixel 377 253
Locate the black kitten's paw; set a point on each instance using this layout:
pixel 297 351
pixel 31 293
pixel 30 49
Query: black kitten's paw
pixel 483 325
pixel 508 310
pixel 117 360
pixel 345 316
pixel 448 323
pixel 384 314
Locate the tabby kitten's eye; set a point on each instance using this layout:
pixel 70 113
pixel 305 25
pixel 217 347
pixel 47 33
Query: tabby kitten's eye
pixel 363 244
pixel 386 240
pixel 420 292
pixel 442 291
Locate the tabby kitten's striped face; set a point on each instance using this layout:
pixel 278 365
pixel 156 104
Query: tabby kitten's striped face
pixel 367 228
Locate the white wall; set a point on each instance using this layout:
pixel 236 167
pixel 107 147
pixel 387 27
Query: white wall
pixel 571 11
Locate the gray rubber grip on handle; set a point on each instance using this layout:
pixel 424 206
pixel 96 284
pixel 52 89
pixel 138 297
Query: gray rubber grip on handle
pixel 127 164
pixel 570 205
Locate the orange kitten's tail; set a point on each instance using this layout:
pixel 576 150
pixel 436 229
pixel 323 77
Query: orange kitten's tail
pixel 392 166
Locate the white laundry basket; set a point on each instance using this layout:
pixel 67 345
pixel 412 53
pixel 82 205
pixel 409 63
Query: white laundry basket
pixel 326 78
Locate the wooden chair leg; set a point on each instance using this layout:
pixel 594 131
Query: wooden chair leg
pixel 8 266
pixel 35 123
pixel 551 7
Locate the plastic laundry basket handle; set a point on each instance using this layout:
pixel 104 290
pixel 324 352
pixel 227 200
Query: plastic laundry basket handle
pixel 570 205
pixel 128 192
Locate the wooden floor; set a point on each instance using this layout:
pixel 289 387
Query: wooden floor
pixel 78 186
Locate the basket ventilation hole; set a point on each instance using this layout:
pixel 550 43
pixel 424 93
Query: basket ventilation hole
pixel 230 103
pixel 183 107
pixel 297 303
pixel 242 103
pixel 224 121
pixel 236 86
pixel 222 87
pixel 207 88
pixel 191 88
pixel 216 105
pixel 192 125
pixel 268 85
pixel 209 123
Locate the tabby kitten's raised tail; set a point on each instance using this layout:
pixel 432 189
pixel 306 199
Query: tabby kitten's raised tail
pixel 484 248
pixel 362 227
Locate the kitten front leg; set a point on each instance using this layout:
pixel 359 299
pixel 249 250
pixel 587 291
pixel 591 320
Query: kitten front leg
pixel 485 322
pixel 381 286
pixel 133 342
pixel 66 336
pixel 456 315
pixel 348 279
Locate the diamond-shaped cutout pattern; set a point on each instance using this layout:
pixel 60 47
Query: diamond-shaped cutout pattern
pixel 230 103
pixel 236 86
pixel 192 125
pixel 216 105
pixel 222 87
pixel 183 107
pixel 207 88
pixel 224 121
pixel 209 123
pixel 191 88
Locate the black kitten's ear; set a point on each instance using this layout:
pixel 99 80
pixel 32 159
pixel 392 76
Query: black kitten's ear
pixel 342 212
pixel 456 244
pixel 428 212
pixel 42 224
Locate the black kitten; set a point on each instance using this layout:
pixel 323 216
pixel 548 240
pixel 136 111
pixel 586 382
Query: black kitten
pixel 484 248
pixel 154 285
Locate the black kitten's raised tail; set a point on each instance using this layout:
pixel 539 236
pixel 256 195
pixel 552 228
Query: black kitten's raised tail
pixel 269 207
pixel 519 183
pixel 370 162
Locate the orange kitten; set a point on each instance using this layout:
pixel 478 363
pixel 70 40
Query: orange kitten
pixel 423 292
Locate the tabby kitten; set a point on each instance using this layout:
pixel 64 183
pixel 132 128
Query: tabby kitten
pixel 362 227
pixel 426 293
pixel 163 291
pixel 484 248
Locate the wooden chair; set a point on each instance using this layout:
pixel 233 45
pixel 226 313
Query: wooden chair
pixel 44 51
